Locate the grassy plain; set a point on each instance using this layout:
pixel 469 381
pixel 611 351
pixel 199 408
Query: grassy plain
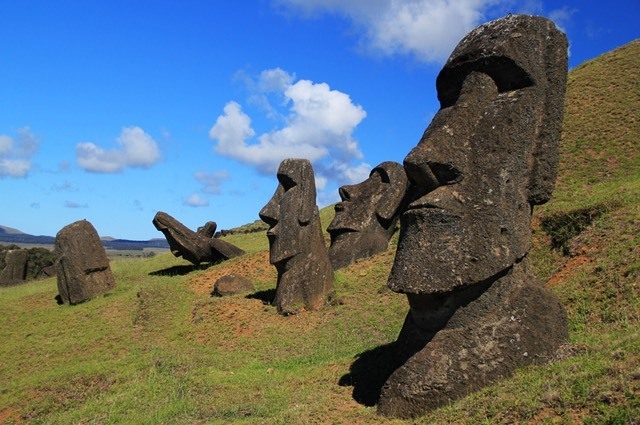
pixel 160 349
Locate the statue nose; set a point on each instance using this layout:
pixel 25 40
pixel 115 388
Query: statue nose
pixel 419 172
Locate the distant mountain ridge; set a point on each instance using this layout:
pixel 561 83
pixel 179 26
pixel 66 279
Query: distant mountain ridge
pixel 10 235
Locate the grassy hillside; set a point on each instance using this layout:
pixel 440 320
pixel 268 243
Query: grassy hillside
pixel 159 349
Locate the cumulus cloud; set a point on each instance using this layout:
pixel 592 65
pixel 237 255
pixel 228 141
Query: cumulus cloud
pixel 425 29
pixel 195 201
pixel 318 125
pixel 211 181
pixel 16 153
pixel 135 149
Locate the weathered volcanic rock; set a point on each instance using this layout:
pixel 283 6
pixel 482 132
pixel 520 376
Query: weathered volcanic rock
pixel 305 274
pixel 366 218
pixel 232 284
pixel 82 264
pixel 489 155
pixel 15 270
pixel 196 247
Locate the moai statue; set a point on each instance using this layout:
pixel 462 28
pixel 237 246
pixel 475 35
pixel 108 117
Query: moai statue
pixel 15 269
pixel 490 154
pixel 82 264
pixel 366 218
pixel 297 249
pixel 196 247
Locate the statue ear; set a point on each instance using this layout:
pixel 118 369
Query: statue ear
pixel 307 187
pixel 544 167
pixel 395 184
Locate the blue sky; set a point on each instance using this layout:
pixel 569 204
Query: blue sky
pixel 114 110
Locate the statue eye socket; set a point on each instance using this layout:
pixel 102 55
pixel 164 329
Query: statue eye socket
pixel 507 75
pixel 286 181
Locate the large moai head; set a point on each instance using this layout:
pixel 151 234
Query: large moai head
pixel 489 155
pixel 290 211
pixel 297 249
pixel 366 217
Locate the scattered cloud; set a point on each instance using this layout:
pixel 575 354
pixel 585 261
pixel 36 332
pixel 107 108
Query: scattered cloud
pixel 318 125
pixel 135 149
pixel 425 29
pixel 75 205
pixel 195 201
pixel 66 186
pixel 137 205
pixel 211 181
pixel 16 153
pixel 562 17
pixel 35 205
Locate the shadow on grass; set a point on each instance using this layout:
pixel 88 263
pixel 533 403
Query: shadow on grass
pixel 267 296
pixel 369 372
pixel 180 270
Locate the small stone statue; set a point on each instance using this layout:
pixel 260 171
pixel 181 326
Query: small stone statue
pixel 490 154
pixel 297 249
pixel 196 247
pixel 366 218
pixel 82 264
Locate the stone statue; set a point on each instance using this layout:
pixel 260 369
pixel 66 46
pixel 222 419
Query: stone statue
pixel 297 249
pixel 15 269
pixel 196 247
pixel 489 155
pixel 366 218
pixel 82 264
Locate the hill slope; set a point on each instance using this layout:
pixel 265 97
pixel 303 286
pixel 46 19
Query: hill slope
pixel 159 349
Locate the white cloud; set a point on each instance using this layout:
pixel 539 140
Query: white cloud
pixel 562 17
pixel 211 181
pixel 195 201
pixel 16 153
pixel 319 124
pixel 135 149
pixel 425 29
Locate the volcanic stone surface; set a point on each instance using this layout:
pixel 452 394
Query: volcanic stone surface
pixel 15 269
pixel 489 155
pixel 196 247
pixel 297 249
pixel 366 217
pixel 82 264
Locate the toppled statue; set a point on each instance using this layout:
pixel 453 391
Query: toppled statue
pixel 297 249
pixel 490 154
pixel 82 264
pixel 367 216
pixel 196 247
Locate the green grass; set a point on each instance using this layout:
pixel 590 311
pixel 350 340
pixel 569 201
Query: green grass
pixel 159 349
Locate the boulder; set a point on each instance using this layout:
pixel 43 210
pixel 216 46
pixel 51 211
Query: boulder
pixel 232 284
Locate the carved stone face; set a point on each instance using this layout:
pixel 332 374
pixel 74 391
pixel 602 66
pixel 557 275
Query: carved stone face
pixel 370 205
pixel 482 163
pixel 290 210
pixel 366 217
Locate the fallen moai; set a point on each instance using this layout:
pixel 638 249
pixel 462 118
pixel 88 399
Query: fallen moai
pixel 297 249
pixel 196 247
pixel 82 265
pixel 490 154
pixel 367 216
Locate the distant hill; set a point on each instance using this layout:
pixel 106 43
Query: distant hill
pixel 9 235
